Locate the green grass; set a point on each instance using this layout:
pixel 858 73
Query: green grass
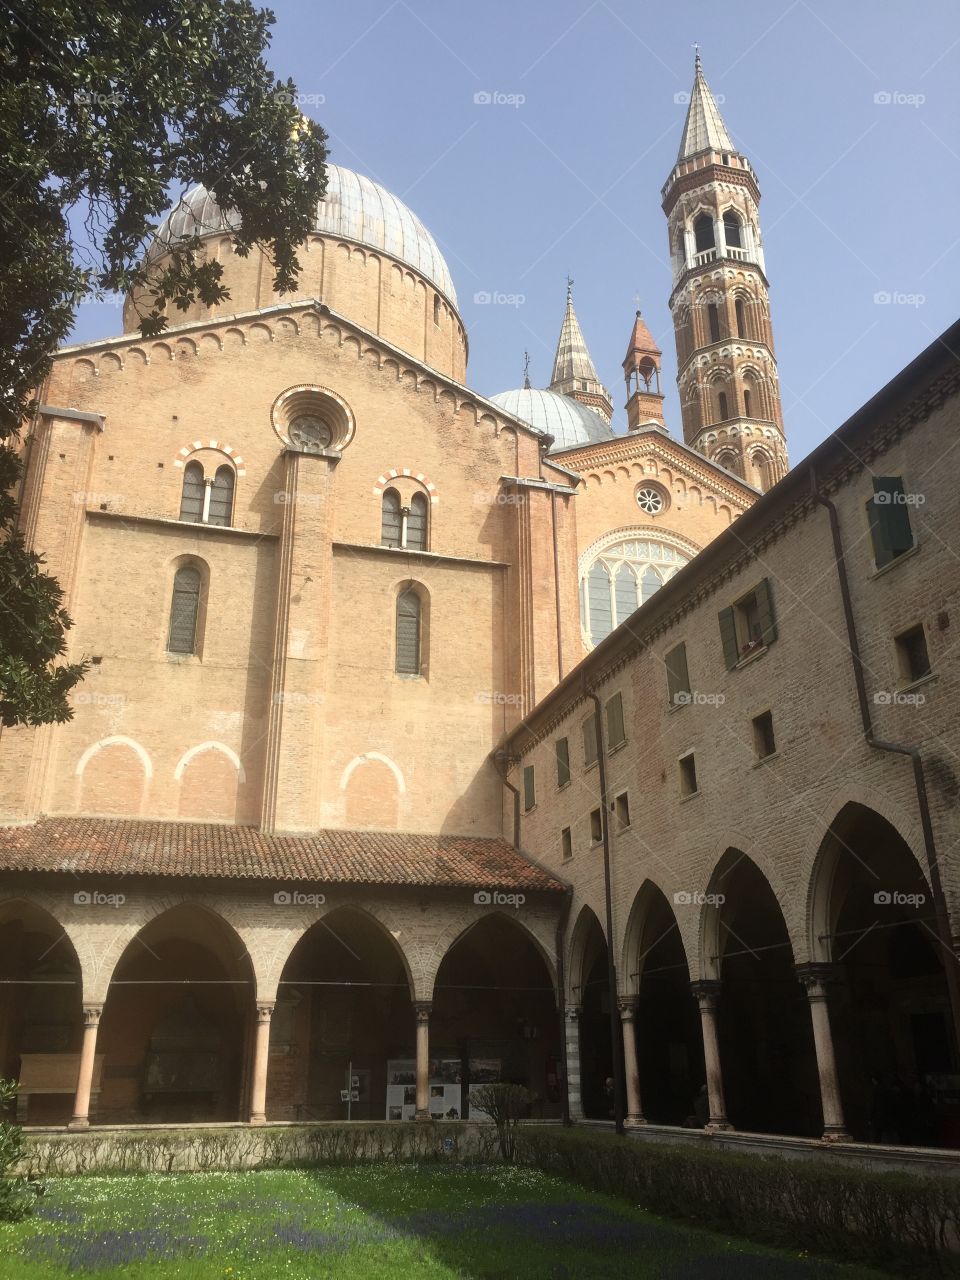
pixel 370 1221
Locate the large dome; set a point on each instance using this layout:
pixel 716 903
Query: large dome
pixel 569 422
pixel 354 208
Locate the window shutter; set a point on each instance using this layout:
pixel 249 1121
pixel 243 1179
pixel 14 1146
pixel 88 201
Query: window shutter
pixel 678 680
pixel 417 523
pixel 184 609
pixel 889 520
pixel 615 720
pixel 529 787
pixel 728 637
pixel 191 499
pixel 765 614
pixel 590 740
pixel 390 519
pixel 221 497
pixel 563 761
pixel 408 634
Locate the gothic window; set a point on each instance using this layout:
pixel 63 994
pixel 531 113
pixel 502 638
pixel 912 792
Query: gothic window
pixel 416 522
pixel 732 230
pixel 191 499
pixel 703 233
pixel 184 610
pixel 221 497
pixel 713 317
pixel 408 633
pixel 722 402
pixel 741 318
pixel 621 577
pixel 391 520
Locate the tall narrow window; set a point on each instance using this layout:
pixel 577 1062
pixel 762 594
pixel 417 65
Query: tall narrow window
pixel 436 309
pixel 703 233
pixel 746 402
pixel 713 317
pixel 184 611
pixel 191 499
pixel 889 519
pixel 678 679
pixel 589 740
pixel 221 497
pixel 529 788
pixel 416 538
pixel 741 318
pixel 563 761
pixel 408 633
pixel 731 230
pixel 614 708
pixel 722 401
pixel 390 519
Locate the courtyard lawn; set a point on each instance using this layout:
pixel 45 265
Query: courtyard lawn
pixel 371 1221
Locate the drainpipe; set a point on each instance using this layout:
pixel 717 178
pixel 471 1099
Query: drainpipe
pixel 562 1003
pixel 941 914
pixel 618 1108
pixel 502 761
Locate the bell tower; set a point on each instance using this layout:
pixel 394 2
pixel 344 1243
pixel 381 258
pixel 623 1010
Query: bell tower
pixel 727 371
pixel 641 369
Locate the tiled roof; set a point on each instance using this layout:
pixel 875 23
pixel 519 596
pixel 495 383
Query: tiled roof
pixel 572 359
pixel 704 129
pixel 195 850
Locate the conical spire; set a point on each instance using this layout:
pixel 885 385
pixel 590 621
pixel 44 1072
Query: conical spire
pixel 572 360
pixel 641 344
pixel 704 129
pixel 641 369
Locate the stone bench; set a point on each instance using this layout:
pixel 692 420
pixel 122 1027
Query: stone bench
pixel 52 1073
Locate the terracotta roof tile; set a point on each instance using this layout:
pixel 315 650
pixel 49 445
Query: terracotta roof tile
pixel 198 850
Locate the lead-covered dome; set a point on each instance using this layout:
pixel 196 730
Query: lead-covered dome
pixel 569 422
pixel 353 208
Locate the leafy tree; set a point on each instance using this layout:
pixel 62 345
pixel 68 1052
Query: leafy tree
pixel 18 1194
pixel 109 109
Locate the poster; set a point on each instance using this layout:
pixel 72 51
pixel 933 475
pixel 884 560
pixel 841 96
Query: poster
pixel 444 1092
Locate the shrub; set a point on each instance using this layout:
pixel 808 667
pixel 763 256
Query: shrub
pixel 18 1194
pixel 906 1222
pixel 506 1105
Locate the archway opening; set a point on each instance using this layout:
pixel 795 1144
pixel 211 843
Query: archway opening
pixel 766 1038
pixel 591 987
pixel 176 1024
pixel 889 1010
pixel 669 1043
pixel 342 1021
pixel 41 1024
pixel 495 1016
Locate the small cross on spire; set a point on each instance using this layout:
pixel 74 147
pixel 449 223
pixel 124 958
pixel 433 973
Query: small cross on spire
pixel 526 371
pixel 696 57
pixel 569 288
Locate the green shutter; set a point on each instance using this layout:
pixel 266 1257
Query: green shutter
pixel 529 787
pixel 728 637
pixel 765 614
pixel 563 761
pixel 590 740
pixel 615 720
pixel 408 634
pixel 889 520
pixel 678 679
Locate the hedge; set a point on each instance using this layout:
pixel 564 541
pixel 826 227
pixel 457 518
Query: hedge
pixel 903 1222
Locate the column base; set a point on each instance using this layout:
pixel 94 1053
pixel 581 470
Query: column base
pixel 257 1120
pixel 634 1122
pixel 79 1122
pixel 718 1126
pixel 834 1133
pixel 421 1117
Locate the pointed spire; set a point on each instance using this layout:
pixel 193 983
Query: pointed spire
pixel 641 344
pixel 704 129
pixel 574 373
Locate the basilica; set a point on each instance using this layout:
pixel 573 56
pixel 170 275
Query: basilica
pixel 407 740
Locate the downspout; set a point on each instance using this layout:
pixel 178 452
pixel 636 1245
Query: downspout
pixel 618 1108
pixel 502 761
pixel 941 914
pixel 562 1003
pixel 556 584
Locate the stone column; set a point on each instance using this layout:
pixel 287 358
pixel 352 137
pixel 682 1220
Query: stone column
pixel 574 1100
pixel 706 994
pixel 816 978
pixel 88 1057
pixel 628 1012
pixel 261 1056
pixel 422 1009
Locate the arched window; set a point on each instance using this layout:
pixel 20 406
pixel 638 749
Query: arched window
pixel 408 633
pixel 191 499
pixel 729 461
pixel 722 401
pixel 391 524
pixel 416 521
pixel 649 583
pixel 713 317
pixel 436 309
pixel 746 401
pixel 625 591
pixel 732 230
pixel 184 610
pixel 221 498
pixel 741 318
pixel 703 233
pixel 621 577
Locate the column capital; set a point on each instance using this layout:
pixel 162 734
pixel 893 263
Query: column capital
pixel 628 1007
pixel 572 1012
pixel 706 990
pixel 92 1012
pixel 816 976
pixel 265 1010
pixel 423 1008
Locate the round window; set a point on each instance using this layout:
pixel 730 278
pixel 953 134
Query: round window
pixel 650 500
pixel 309 433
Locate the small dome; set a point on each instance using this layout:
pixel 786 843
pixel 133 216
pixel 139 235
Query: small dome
pixel 354 208
pixel 569 422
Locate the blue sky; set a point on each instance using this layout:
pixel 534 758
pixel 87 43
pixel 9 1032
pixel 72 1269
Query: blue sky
pixel 859 194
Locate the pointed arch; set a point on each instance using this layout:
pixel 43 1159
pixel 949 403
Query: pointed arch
pixel 115 740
